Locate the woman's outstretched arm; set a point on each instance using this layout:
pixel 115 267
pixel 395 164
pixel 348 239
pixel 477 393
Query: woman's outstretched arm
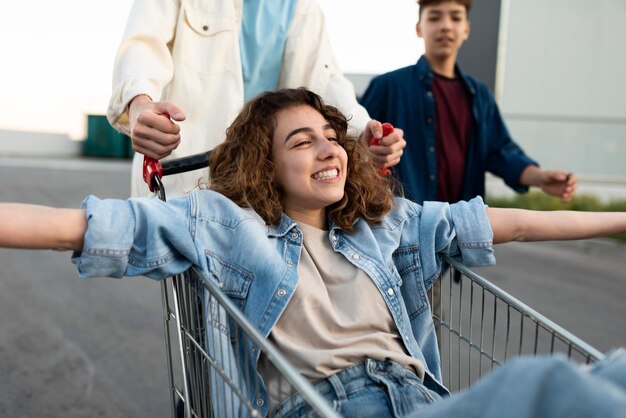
pixel 41 227
pixel 529 225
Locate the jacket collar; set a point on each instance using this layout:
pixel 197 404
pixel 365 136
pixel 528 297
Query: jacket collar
pixel 285 224
pixel 281 227
pixel 425 73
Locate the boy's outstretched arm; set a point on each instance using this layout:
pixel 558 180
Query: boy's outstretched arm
pixel 529 225
pixel 41 227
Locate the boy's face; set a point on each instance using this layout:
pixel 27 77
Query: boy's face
pixel 444 27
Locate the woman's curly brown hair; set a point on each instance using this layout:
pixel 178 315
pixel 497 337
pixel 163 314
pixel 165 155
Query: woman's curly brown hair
pixel 242 167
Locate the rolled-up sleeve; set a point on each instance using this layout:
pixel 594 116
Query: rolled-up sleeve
pixel 136 237
pixel 473 232
pixel 461 230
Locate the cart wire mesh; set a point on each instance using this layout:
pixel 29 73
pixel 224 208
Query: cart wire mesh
pixel 480 326
pixel 214 339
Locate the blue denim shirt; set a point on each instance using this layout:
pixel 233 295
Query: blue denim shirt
pixel 404 98
pixel 256 265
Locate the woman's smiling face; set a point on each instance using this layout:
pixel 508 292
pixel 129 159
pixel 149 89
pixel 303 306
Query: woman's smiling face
pixel 311 167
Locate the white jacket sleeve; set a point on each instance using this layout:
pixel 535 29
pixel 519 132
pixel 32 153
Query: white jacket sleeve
pixel 309 61
pixel 143 64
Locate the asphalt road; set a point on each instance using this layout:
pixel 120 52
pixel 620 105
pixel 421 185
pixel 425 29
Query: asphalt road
pixel 76 347
pixel 95 348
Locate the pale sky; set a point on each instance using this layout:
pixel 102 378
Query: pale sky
pixel 57 56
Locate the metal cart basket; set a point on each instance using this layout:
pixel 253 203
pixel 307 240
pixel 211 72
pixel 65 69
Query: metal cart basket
pixel 479 327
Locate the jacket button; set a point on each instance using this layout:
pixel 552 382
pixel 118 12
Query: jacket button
pixel 294 235
pixel 282 292
pixel 390 292
pixel 355 256
pixel 259 402
pixel 205 28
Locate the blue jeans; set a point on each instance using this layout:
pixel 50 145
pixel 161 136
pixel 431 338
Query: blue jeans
pixel 542 387
pixel 525 387
pixel 376 389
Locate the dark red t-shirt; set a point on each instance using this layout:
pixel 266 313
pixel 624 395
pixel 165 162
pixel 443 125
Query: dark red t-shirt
pixel 452 132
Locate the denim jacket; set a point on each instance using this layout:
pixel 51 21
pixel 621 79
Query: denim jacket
pixel 256 265
pixel 404 98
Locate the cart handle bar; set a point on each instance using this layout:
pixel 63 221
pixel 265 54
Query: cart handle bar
pixel 153 169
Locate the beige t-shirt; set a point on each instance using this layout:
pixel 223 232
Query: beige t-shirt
pixel 335 319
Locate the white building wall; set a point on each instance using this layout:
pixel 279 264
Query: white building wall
pixel 562 85
pixel 38 144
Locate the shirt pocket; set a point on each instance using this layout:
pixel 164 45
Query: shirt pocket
pixel 233 280
pixel 414 293
pixel 207 42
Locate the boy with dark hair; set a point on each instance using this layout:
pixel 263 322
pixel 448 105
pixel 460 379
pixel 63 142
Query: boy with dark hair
pixel 424 3
pixel 451 122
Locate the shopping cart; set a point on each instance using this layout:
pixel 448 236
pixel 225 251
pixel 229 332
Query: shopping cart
pixel 480 327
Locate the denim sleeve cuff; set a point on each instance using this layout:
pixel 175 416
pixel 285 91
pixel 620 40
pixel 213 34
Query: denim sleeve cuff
pixel 473 231
pixel 108 239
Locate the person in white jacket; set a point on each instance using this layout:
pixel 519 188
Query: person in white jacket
pixel 199 61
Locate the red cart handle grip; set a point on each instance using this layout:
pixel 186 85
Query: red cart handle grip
pixel 387 129
pixel 151 168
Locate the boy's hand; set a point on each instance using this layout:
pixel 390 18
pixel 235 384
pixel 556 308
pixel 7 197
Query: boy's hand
pixel 555 183
pixel 559 184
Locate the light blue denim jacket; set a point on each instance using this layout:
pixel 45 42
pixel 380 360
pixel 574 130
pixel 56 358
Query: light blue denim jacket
pixel 256 265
